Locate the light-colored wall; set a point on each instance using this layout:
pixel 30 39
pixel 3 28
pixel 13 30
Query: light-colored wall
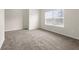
pixel 71 23
pixel 1 27
pixel 33 19
pixel 14 19
pixel 26 18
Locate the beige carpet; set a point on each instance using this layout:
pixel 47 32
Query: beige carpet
pixel 38 40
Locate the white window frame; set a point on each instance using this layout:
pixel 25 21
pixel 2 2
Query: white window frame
pixel 54 18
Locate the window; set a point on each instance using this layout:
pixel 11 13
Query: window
pixel 54 17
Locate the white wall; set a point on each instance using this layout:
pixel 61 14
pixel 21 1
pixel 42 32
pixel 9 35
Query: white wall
pixel 26 18
pixel 1 27
pixel 71 23
pixel 33 19
pixel 14 19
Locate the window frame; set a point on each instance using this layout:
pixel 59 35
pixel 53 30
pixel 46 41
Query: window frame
pixel 54 19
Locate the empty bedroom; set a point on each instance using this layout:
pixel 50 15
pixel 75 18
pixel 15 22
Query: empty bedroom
pixel 41 29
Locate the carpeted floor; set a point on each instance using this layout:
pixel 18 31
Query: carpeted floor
pixel 38 40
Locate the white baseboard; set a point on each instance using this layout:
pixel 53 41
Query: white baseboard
pixel 14 29
pixel 62 34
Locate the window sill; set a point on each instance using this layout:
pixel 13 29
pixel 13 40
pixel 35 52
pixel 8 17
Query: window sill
pixel 55 25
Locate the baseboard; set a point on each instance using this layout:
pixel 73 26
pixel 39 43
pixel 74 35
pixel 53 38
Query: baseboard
pixel 60 34
pixel 2 43
pixel 34 29
pixel 16 29
pixel 25 29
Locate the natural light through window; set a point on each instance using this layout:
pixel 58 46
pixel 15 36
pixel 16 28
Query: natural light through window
pixel 54 17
